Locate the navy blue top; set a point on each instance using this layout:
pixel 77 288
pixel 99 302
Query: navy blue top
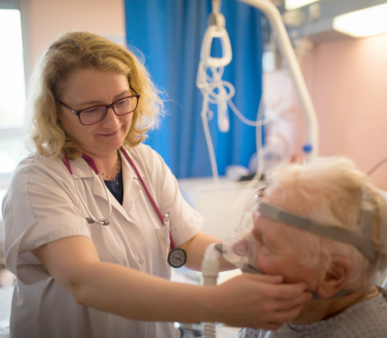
pixel 116 190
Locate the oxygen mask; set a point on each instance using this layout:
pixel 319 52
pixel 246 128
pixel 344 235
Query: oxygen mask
pixel 241 248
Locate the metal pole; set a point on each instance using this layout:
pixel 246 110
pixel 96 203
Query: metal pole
pixel 275 19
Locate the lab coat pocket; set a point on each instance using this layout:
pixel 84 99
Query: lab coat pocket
pixel 164 247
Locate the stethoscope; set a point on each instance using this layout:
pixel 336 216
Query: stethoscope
pixel 176 257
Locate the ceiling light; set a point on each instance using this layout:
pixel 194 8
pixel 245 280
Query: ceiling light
pixel 294 4
pixel 366 22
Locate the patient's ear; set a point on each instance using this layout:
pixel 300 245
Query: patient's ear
pixel 335 277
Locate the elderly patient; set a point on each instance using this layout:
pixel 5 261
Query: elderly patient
pixel 325 224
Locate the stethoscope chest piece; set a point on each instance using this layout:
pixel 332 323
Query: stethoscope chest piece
pixel 177 257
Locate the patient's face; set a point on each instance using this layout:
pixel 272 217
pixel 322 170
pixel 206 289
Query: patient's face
pixel 277 253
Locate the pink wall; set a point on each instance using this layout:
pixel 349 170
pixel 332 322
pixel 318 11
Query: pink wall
pixel 50 18
pixel 348 84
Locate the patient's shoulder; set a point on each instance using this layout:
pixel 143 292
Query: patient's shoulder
pixel 365 319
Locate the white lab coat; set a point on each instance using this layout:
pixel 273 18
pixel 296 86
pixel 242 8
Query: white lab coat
pixel 42 206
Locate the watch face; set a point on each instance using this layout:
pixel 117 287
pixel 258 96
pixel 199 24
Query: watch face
pixel 177 258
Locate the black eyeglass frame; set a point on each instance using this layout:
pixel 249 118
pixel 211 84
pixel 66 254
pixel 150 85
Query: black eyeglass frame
pixel 106 106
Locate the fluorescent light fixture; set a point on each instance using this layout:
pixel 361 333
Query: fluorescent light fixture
pixel 294 4
pixel 365 22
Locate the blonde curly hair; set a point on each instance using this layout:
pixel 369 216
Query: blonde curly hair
pixel 82 50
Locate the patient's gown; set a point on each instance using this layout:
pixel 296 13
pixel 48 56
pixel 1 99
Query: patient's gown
pixel 366 319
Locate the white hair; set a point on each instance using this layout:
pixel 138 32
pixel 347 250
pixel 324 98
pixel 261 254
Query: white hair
pixel 333 191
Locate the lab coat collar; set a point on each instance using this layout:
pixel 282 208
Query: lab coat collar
pixel 132 187
pixel 81 169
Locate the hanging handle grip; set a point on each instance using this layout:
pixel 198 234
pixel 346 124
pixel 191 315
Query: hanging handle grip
pixel 214 31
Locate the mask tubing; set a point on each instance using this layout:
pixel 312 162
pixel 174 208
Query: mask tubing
pixel 210 265
pixel 210 270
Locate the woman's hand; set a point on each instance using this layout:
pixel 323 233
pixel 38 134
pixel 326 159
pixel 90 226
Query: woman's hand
pixel 258 301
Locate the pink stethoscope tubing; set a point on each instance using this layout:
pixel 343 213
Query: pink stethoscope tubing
pixel 104 221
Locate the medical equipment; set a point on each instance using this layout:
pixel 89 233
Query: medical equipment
pixel 214 90
pixel 210 264
pixel 176 257
pixel 208 84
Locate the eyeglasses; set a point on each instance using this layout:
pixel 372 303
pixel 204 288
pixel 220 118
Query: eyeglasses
pixel 96 114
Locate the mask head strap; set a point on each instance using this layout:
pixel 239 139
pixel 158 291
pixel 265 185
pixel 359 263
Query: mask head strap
pixel 324 230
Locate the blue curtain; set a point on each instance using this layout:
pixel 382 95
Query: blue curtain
pixel 169 33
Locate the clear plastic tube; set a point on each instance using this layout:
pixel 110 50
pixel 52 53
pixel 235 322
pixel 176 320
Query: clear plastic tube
pixel 210 271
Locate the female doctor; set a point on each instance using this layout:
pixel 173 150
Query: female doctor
pixel 90 216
